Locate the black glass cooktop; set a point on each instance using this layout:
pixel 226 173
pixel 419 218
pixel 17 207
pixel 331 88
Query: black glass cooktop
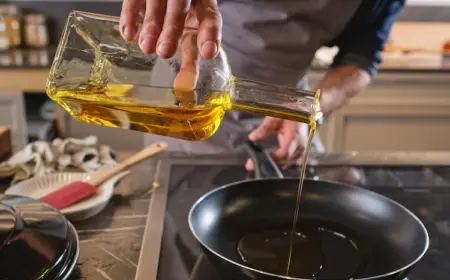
pixel 425 191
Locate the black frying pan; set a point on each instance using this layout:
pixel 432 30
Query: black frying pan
pixel 394 239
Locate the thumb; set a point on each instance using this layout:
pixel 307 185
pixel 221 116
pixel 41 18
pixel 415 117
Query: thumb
pixel 265 129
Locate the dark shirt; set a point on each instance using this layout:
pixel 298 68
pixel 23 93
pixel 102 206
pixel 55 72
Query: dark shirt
pixel 363 39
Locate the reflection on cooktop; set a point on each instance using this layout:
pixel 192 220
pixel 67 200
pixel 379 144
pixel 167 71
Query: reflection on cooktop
pixel 422 190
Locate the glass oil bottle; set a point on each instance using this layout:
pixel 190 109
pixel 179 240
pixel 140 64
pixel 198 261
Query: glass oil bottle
pixel 100 78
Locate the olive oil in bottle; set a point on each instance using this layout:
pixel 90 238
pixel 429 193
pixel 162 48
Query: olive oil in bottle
pixel 191 116
pixel 312 130
pixel 108 107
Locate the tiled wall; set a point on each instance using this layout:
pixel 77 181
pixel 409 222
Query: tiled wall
pixel 57 11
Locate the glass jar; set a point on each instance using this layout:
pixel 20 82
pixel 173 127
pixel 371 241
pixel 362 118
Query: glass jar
pixel 4 36
pixel 36 33
pixel 10 15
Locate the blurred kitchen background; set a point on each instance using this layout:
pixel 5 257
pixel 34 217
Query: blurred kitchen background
pixel 407 108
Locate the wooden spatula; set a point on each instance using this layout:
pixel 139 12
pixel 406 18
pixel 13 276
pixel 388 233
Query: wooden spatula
pixel 76 191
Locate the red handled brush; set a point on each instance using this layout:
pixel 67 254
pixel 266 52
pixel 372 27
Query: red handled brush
pixel 76 191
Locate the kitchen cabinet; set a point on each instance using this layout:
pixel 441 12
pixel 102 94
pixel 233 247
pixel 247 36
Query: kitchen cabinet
pixel 399 111
pixel 12 115
pixel 5 142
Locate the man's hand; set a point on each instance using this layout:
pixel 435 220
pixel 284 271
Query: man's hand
pixel 164 22
pixel 292 139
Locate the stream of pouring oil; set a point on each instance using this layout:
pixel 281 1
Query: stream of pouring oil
pixel 299 194
pixel 313 126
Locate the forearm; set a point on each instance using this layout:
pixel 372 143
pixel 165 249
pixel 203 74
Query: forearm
pixel 339 85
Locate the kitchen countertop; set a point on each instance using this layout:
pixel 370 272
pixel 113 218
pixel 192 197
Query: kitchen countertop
pixel 113 244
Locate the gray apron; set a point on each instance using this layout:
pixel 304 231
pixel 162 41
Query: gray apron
pixel 272 41
pixel 265 40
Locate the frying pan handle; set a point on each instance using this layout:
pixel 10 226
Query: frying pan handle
pixel 310 172
pixel 265 167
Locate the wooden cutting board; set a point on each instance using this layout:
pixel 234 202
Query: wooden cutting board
pixel 5 143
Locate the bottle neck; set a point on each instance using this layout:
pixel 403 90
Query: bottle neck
pixel 275 101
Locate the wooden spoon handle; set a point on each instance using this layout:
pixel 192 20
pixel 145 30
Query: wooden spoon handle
pixel 151 150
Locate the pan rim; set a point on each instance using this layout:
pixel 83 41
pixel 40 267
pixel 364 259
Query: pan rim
pixel 204 196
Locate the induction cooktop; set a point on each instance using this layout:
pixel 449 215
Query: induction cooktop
pixel 423 190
